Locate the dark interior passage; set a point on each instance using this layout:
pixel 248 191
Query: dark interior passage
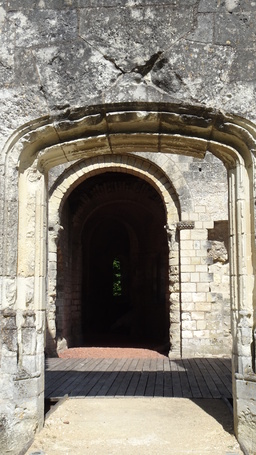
pixel 124 262
pixel 107 301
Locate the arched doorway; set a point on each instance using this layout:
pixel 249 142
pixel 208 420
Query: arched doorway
pixel 123 255
pixel 101 131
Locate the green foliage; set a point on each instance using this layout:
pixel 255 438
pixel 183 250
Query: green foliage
pixel 117 278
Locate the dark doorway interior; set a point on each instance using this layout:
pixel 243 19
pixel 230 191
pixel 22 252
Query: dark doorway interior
pixel 124 263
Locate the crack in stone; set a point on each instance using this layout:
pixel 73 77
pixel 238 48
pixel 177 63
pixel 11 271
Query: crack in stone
pixel 7 67
pixel 148 65
pixel 110 59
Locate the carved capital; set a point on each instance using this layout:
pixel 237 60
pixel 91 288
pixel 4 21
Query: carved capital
pixel 185 225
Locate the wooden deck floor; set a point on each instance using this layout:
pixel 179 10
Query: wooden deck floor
pixel 188 378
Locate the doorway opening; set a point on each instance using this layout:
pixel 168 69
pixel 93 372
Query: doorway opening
pixel 117 250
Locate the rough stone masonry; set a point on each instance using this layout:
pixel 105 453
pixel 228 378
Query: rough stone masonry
pixel 127 137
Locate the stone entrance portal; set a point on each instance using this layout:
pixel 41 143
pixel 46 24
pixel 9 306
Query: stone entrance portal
pixel 57 188
pixel 112 275
pixel 118 259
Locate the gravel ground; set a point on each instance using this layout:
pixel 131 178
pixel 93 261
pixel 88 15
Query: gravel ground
pixel 137 426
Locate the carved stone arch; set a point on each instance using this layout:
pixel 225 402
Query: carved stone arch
pixel 123 164
pixel 120 129
pixel 156 176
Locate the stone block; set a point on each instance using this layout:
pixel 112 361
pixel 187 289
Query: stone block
pixel 29 340
pixel 185 277
pixel 29 363
pixel 201 334
pixel 185 260
pixel 246 389
pixel 188 306
pixel 9 362
pixel 185 234
pixel 189 325
pixel 206 277
pixel 235 30
pixel 187 334
pixel 202 287
pixel 188 287
pixel 194 277
pixel 111 37
pixel 198 315
pixel 61 66
pixel 199 297
pixel 187 245
pixel 9 330
pixel 245 424
pixel 27 388
pixel 199 234
pixel 203 32
pixel 44 27
pixel 201 325
pixel 203 306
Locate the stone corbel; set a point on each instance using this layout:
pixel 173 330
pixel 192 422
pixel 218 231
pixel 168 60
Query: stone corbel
pixel 185 225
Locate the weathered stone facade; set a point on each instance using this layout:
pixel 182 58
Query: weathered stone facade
pixel 127 131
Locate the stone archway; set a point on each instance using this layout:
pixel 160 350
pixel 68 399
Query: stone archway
pixel 128 131
pixel 120 194
pixel 119 217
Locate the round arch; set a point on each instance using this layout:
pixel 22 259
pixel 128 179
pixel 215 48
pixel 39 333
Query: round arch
pixel 123 164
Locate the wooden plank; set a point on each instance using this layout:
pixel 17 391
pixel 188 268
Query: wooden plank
pixel 204 389
pixel 159 364
pixel 146 365
pixel 226 381
pixel 142 384
pixel 139 377
pixel 79 386
pixel 226 368
pixel 65 386
pixel 91 373
pixel 166 364
pixel 227 365
pixel 55 378
pixel 210 364
pixel 130 391
pixel 185 386
pixel 159 384
pixel 210 378
pixel 122 389
pixel 99 384
pixel 168 386
pixel 51 362
pixel 104 391
pixel 194 378
pixel 196 393
pixel 176 384
pixel 150 386
pixel 121 369
pixel 61 364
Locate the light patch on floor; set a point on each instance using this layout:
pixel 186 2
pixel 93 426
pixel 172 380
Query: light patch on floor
pixel 159 426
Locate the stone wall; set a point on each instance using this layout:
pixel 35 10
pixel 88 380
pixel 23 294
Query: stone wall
pixel 65 60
